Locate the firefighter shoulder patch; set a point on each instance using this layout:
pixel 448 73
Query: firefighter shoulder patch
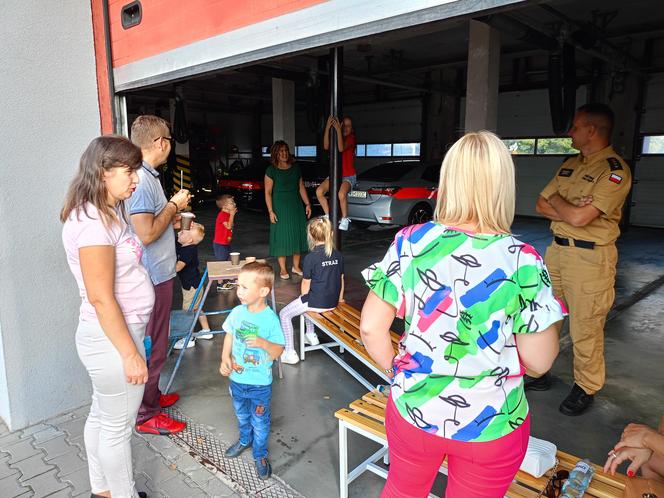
pixel 614 163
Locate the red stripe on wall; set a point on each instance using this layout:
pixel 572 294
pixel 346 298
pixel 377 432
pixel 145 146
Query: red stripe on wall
pixel 103 91
pixel 169 24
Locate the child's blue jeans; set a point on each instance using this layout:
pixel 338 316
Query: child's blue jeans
pixel 252 409
pixel 222 252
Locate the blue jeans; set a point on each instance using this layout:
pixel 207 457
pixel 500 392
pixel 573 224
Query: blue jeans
pixel 222 252
pixel 252 409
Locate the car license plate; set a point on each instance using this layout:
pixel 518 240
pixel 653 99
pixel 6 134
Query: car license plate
pixel 360 194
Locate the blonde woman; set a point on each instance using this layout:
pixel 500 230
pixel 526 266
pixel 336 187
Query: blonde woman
pixel 117 299
pixel 470 294
pixel 322 286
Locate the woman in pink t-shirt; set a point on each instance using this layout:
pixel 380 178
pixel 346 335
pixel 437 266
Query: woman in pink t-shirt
pixel 116 301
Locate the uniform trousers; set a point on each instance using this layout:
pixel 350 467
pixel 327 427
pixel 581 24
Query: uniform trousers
pixel 584 279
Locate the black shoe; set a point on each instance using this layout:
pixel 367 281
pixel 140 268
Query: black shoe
pixel 576 402
pixel 542 383
pixel 263 468
pixel 235 450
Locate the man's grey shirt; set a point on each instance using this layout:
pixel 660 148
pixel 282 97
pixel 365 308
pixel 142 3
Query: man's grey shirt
pixel 159 256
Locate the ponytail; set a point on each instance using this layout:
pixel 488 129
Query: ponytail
pixel 319 231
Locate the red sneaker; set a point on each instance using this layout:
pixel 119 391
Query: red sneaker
pixel 166 400
pixel 161 424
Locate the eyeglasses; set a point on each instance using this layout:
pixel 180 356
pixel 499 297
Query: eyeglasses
pixel 170 139
pixel 555 485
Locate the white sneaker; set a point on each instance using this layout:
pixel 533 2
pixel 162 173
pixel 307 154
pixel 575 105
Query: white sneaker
pixel 343 224
pixel 311 338
pixel 180 343
pixel 289 357
pixel 204 334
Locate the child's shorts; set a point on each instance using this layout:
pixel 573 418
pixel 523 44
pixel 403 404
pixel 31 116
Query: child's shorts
pixel 188 297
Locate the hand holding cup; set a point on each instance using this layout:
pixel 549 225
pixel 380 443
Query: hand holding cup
pixel 181 199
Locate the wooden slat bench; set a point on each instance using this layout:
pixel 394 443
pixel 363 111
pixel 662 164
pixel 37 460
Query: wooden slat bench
pixel 366 416
pixel 342 325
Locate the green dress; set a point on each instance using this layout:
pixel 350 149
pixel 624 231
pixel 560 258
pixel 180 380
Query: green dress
pixel 288 235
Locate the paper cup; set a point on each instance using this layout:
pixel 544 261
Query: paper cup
pixel 187 219
pixel 235 258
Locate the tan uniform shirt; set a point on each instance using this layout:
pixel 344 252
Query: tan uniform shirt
pixel 606 177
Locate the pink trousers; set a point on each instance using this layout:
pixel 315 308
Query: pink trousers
pixel 475 470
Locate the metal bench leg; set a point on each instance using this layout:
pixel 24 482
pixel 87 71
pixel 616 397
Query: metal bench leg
pixel 302 325
pixel 343 460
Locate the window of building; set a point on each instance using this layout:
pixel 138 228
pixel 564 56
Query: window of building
pixel 379 150
pixel 305 151
pixel 557 146
pixel 653 144
pixel 519 146
pixel 406 149
pixel 540 146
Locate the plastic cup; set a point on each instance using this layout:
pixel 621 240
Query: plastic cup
pixel 187 219
pixel 235 258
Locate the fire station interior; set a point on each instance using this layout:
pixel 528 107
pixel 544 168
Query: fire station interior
pixel 405 91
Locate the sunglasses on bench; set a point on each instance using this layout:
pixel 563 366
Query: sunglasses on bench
pixel 555 484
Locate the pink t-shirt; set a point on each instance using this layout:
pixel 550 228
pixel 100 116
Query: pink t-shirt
pixel 133 288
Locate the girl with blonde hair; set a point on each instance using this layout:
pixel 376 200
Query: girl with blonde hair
pixel 470 294
pixel 322 286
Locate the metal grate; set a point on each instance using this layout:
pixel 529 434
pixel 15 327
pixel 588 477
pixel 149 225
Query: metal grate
pixel 238 473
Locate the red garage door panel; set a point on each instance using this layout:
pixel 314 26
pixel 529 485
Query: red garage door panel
pixel 168 24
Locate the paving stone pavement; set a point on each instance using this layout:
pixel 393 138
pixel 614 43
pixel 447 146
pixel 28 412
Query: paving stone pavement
pixel 48 459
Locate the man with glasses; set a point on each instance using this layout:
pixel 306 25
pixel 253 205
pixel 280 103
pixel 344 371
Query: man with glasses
pixel 152 218
pixel 584 203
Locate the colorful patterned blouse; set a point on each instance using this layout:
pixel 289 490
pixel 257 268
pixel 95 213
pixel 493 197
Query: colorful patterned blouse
pixel 462 296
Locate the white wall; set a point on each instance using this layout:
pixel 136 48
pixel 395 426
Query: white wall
pixel 648 208
pixel 49 114
pixel 526 114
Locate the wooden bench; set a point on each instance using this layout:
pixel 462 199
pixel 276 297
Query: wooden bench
pixel 342 325
pixel 366 416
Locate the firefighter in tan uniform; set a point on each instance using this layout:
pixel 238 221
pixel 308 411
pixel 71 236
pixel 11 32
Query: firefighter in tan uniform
pixel 584 203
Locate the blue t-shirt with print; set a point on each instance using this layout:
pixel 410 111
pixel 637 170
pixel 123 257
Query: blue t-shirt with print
pixel 252 365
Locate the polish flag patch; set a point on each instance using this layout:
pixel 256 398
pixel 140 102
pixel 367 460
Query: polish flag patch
pixel 615 178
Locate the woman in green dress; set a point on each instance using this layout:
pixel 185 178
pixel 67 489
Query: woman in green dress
pixel 284 195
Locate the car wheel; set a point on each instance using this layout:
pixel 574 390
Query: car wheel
pixel 421 213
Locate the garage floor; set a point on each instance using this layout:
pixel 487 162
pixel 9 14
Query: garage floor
pixel 304 441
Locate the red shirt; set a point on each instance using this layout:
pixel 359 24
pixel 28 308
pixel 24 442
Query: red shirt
pixel 348 156
pixel 222 235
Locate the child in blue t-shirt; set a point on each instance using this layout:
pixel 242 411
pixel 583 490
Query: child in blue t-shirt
pixel 253 340
pixel 322 286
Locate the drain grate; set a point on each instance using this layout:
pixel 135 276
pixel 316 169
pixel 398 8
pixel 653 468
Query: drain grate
pixel 238 473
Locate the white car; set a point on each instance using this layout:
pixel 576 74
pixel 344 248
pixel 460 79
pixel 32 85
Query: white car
pixel 395 193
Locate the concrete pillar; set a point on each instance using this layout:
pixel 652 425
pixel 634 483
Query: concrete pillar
pixel 440 115
pixel 482 79
pixel 283 111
